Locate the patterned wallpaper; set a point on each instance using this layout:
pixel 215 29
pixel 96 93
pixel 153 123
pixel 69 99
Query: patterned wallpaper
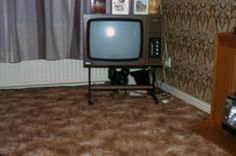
pixel 190 27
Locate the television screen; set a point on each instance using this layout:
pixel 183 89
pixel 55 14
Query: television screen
pixel 114 39
pixel 229 121
pixel 232 117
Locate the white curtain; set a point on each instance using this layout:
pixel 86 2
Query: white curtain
pixel 38 29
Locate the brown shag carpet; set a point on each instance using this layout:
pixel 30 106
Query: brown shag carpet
pixel 58 122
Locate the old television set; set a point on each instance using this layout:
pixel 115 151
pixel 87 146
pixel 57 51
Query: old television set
pixel 116 40
pixel 229 120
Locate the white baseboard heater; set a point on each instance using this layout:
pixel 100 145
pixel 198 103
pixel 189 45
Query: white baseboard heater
pixel 41 73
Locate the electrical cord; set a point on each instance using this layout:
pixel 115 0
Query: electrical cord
pixel 166 55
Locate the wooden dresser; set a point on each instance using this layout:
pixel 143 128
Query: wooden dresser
pixel 224 83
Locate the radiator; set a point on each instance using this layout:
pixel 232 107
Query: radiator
pixel 43 73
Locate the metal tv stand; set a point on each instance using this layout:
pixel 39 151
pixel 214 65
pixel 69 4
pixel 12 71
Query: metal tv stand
pixel 151 88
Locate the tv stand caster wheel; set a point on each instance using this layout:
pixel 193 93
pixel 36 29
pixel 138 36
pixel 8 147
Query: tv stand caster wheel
pixel 155 99
pixel 89 99
pixel 90 102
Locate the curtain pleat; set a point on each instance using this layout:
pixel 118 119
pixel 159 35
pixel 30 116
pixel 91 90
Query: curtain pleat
pixel 39 29
pixel 76 35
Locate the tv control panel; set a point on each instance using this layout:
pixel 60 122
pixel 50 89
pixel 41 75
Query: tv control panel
pixel 155 47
